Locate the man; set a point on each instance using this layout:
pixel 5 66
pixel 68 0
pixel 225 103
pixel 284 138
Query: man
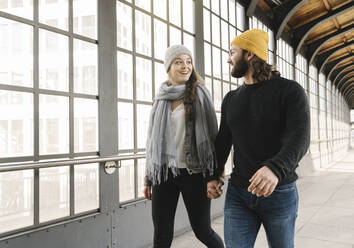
pixel 267 121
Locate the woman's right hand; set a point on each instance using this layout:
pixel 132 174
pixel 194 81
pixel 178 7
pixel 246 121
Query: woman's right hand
pixel 147 192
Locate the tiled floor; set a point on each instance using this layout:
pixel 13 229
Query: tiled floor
pixel 326 211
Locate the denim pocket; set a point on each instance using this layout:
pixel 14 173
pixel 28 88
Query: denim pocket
pixel 285 188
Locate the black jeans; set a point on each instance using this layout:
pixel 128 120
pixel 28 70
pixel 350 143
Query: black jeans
pixel 164 203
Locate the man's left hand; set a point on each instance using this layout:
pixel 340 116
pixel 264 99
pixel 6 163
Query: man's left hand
pixel 263 182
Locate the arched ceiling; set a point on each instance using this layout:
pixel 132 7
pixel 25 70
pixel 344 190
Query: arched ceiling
pixel 321 30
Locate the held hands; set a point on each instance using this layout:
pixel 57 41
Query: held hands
pixel 263 182
pixel 147 192
pixel 214 189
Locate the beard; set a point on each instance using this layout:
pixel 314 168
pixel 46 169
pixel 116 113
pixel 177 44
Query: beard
pixel 240 68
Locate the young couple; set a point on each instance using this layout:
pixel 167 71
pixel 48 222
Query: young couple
pixel 267 122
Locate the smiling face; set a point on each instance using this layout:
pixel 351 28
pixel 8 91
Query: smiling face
pixel 238 62
pixel 181 69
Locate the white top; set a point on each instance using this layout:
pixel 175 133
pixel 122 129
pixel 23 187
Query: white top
pixel 179 128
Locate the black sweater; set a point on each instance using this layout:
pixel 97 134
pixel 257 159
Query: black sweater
pixel 268 123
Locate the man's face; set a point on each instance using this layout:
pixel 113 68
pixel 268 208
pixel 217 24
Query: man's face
pixel 238 62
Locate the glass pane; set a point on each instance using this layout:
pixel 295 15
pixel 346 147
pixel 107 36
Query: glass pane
pixel 53 124
pixel 16 124
pixel 175 12
pixel 206 3
pixel 125 126
pixel 160 39
pixel 85 18
pixel 208 85
pixel 232 12
pixel 225 36
pixel 54 13
pixel 160 8
pixel 53 61
pixel 125 75
pixel 207 59
pixel 85 67
pixel 271 40
pixel 86 187
pixel 226 89
pixel 188 17
pixel 224 9
pixel 142 116
pixel 232 34
pixel 225 66
pixel 126 181
pixel 216 63
pixel 189 42
pixel 217 95
pixel 216 30
pixel 215 6
pixel 143 79
pixel 54 193
pixel 175 36
pixel 240 17
pixel 124 26
pixel 206 23
pixel 143 33
pixel 16 200
pixel 85 125
pixel 22 8
pixel 16 45
pixel 141 175
pixel 160 76
pixel 145 4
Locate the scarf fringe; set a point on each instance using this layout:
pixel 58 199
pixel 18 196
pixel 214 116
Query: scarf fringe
pixel 159 173
pixel 207 157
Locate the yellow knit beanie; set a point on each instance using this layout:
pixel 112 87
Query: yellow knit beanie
pixel 255 41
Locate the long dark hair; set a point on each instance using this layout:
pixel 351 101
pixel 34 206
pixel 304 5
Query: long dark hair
pixel 190 93
pixel 261 69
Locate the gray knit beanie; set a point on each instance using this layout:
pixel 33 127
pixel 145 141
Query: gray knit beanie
pixel 172 52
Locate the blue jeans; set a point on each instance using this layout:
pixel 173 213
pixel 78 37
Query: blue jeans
pixel 244 214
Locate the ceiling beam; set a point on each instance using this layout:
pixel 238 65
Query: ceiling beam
pixel 347 85
pixel 314 48
pixel 341 82
pixel 341 70
pixel 283 14
pixel 301 33
pixel 328 7
pixel 252 8
pixel 349 96
pixel 336 23
pixel 329 67
pixel 343 74
pixel 323 58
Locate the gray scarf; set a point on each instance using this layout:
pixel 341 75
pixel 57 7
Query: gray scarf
pixel 161 147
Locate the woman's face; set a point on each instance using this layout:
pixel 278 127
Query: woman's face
pixel 181 69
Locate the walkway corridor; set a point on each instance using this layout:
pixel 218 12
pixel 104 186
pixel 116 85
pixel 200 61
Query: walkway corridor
pixel 326 211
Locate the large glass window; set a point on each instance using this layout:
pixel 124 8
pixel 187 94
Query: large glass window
pixel 223 20
pixel 141 71
pixel 301 71
pixel 49 106
pixel 285 59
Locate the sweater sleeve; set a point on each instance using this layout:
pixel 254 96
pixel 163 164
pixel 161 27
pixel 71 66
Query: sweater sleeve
pixel 223 142
pixel 296 138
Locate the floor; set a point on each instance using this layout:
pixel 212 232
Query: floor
pixel 326 211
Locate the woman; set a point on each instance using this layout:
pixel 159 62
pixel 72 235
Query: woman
pixel 180 150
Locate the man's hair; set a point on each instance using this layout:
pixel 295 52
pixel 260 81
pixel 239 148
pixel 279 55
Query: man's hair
pixel 261 69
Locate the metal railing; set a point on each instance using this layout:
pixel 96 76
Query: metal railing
pixel 49 164
pixel 36 166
